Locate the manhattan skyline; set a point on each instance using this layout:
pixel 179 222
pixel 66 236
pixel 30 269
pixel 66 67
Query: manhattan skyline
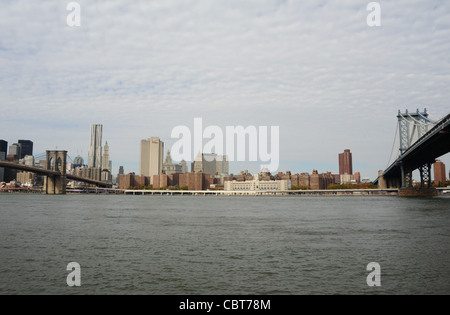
pixel 318 71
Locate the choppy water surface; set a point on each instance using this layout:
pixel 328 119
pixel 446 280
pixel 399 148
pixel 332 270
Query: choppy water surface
pixel 223 245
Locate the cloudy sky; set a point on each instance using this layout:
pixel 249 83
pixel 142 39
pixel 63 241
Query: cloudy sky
pixel 140 68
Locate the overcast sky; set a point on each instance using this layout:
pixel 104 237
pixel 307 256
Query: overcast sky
pixel 140 68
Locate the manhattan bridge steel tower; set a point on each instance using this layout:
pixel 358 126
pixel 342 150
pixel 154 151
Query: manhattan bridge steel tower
pixel 412 127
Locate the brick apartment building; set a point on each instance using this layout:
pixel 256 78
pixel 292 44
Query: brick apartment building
pixel 203 181
pixel 127 181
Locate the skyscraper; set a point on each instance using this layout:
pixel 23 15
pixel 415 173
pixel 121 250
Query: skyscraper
pixel 3 152
pixel 2 170
pixel 106 165
pixel 345 163
pixel 105 159
pixel 211 163
pixel 27 148
pixel 184 168
pixel 439 172
pixel 15 150
pixel 95 150
pixel 29 160
pixel 4 146
pixel 121 172
pixel 171 168
pixel 151 161
pixel 358 177
pixel 78 160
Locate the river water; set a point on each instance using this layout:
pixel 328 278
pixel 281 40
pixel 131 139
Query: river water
pixel 223 245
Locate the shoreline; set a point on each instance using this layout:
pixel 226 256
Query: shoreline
pixel 287 193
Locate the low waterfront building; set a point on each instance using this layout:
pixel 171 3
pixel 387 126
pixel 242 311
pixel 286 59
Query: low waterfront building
pixel 256 184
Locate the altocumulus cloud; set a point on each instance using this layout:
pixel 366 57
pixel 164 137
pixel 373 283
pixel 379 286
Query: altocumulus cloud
pixel 314 68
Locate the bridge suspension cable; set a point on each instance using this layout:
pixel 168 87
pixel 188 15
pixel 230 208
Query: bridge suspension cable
pixel 427 118
pixel 40 156
pixel 395 147
pixel 428 121
pixel 419 127
pixel 413 127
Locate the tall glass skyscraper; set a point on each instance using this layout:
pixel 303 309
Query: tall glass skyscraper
pixel 95 150
pixel 27 148
pixel 4 146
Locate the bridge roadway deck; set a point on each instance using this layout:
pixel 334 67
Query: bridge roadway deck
pixel 45 172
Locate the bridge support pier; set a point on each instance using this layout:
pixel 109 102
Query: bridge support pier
pixel 425 176
pixel 425 190
pixel 418 192
pixel 406 177
pixel 382 183
pixel 56 184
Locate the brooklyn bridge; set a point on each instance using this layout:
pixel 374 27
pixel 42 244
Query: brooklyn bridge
pixel 55 175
